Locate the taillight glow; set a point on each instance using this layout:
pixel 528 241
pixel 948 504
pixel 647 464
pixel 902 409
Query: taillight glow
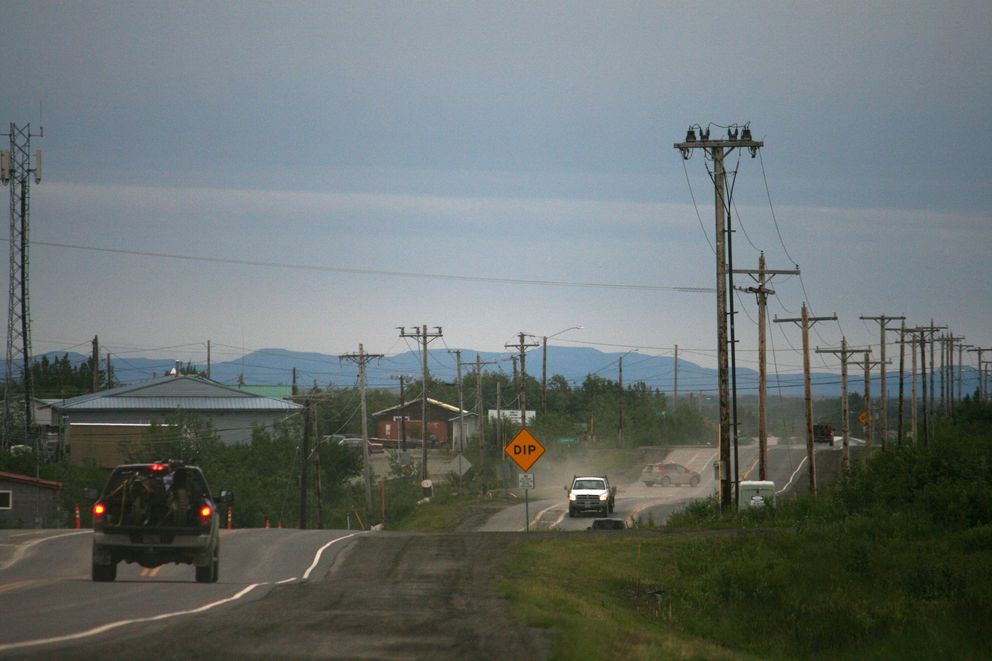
pixel 159 467
pixel 99 509
pixel 206 511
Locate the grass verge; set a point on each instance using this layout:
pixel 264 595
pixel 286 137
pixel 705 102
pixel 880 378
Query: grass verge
pixel 894 562
pixel 843 591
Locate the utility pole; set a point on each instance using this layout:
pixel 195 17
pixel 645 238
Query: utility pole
pixel 675 400
pixel 316 469
pixel 845 414
pixel 717 149
pixel 544 374
pixel 522 347
pixel 499 420
pixel 807 322
pixel 981 373
pixel 927 402
pixel 16 170
pixel 915 408
pixel 620 428
pixel 961 347
pixel 933 370
pixel 305 463
pixel 867 364
pixel 461 403
pixel 402 430
pixel 480 422
pixel 363 359
pixel 762 292
pixel 883 321
pixel 96 364
pixel 481 417
pixel 942 342
pixel 902 381
pixel 208 361
pixel 902 377
pixel 952 339
pixel 110 373
pixel 424 337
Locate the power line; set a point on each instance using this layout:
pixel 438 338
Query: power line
pixel 376 272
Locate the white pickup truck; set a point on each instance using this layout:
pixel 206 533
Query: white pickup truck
pixel 590 494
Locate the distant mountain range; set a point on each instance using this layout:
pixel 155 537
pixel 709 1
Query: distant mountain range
pixel 276 366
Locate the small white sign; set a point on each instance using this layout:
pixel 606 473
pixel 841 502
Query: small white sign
pixel 525 481
pixel 459 465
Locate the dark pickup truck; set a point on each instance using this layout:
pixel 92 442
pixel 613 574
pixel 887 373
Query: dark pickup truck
pixel 153 514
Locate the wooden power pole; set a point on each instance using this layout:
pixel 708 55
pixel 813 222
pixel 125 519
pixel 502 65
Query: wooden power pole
pixel 522 347
pixel 738 137
pixel 883 321
pixel 425 338
pixel 763 276
pixel 363 359
pixel 806 323
pixel 845 414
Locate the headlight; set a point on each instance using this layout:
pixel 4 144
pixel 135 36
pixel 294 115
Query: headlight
pixel 571 496
pixel 604 496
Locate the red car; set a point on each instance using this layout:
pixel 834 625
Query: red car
pixel 668 474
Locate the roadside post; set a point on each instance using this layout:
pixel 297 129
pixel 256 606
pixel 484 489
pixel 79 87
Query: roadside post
pixel 78 519
pixel 525 450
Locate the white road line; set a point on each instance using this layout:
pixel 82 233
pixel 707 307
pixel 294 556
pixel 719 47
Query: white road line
pixel 782 490
pixel 22 549
pixel 153 618
pixel 313 565
pixel 537 517
pixel 114 625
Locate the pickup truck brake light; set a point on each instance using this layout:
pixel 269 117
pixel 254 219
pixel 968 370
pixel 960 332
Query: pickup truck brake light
pixel 99 510
pixel 157 468
pixel 205 513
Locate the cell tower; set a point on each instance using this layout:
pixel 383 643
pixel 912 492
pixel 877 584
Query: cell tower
pixel 16 170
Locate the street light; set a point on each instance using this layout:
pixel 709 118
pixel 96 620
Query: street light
pixel 544 365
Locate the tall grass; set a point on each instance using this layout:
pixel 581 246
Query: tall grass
pixel 893 562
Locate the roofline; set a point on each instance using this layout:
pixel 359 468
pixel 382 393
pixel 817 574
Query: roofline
pixel 430 400
pixel 27 479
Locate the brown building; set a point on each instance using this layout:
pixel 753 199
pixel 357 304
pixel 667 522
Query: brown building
pixel 439 427
pixel 27 502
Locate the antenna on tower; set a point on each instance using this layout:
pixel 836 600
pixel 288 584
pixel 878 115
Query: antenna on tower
pixel 16 170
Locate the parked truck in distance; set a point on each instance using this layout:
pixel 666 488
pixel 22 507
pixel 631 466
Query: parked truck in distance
pixel 153 514
pixel 823 432
pixel 590 494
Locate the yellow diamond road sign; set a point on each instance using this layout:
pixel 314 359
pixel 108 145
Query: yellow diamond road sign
pixel 524 449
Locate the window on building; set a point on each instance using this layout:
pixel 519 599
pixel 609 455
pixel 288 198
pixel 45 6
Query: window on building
pixel 6 500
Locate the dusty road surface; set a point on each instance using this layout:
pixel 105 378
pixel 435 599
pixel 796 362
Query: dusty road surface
pixel 387 596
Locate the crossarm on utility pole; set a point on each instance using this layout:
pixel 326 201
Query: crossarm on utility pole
pixel 806 322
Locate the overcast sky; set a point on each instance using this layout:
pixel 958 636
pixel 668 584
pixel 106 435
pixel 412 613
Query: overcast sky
pixel 258 174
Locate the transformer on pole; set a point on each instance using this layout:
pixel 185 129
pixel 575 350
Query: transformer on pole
pixel 16 170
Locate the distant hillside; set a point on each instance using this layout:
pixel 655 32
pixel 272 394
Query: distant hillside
pixel 275 366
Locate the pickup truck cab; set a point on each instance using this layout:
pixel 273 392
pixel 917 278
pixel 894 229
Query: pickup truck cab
pixel 590 494
pixel 156 513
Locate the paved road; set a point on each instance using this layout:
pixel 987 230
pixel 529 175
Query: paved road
pixel 371 595
pixel 46 593
pixel 327 594
pixel 787 467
